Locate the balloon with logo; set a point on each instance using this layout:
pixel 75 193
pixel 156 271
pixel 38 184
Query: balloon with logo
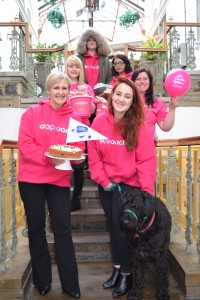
pixel 177 82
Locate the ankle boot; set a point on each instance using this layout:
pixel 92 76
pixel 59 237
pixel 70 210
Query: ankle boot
pixel 112 281
pixel 123 286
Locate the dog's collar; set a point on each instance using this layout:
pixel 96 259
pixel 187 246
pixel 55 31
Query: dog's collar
pixel 132 213
pixel 137 234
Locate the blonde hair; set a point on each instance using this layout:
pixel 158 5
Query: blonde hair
pixel 53 78
pixel 74 60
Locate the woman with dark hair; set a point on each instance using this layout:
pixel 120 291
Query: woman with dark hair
pixel 155 109
pixel 121 66
pixel 118 163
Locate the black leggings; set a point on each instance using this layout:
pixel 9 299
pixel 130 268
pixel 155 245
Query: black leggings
pixel 119 241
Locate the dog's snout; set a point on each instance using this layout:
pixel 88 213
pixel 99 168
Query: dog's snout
pixel 126 221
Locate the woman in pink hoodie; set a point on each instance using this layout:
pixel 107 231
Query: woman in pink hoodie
pixel 126 158
pixel 40 182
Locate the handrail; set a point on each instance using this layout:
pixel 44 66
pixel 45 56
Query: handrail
pixel 166 26
pixel 195 140
pixel 189 141
pixel 8 144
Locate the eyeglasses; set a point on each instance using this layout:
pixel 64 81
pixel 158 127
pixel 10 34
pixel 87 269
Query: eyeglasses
pixel 119 63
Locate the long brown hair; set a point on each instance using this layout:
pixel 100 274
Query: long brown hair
pixel 133 118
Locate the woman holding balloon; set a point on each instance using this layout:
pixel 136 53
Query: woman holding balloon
pixel 155 108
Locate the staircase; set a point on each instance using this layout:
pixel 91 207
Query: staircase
pixel 91 243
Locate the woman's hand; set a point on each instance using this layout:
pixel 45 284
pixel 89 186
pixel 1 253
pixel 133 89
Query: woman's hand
pixel 102 100
pixel 57 162
pixel 173 103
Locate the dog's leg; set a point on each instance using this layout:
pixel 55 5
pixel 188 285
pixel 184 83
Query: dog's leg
pixel 138 279
pixel 162 278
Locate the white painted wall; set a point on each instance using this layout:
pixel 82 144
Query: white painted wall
pixel 187 123
pixel 9 123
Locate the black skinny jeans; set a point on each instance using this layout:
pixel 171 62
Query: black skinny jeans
pixel 34 197
pixel 120 246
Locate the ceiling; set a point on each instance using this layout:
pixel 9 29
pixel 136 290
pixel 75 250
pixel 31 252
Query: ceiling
pixel 77 19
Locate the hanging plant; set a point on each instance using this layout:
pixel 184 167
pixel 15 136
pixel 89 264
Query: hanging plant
pixel 129 18
pixel 52 2
pixel 56 18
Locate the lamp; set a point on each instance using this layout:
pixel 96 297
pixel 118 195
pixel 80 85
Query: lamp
pixel 92 4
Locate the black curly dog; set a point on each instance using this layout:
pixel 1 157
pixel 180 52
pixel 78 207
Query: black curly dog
pixel 147 221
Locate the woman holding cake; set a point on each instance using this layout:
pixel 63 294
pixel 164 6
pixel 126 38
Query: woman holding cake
pixel 42 126
pixel 119 163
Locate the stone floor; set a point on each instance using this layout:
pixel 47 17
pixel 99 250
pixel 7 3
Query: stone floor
pixel 91 277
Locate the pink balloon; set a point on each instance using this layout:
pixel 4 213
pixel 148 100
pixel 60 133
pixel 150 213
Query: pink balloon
pixel 177 82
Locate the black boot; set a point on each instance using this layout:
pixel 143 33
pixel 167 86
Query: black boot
pixel 78 186
pixel 112 281
pixel 123 286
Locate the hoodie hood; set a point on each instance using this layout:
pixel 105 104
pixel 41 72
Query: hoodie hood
pixel 66 108
pixel 102 45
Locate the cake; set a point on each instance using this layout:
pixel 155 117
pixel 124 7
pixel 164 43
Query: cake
pixel 65 151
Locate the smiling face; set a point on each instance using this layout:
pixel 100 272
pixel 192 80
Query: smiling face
pixel 142 83
pixel 121 100
pixel 73 71
pixel 119 65
pixel 58 93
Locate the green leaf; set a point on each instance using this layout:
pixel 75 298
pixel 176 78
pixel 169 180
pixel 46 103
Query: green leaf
pixel 129 18
pixel 56 18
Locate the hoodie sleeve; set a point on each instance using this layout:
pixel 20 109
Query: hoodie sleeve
pixel 146 160
pixel 97 172
pixel 27 143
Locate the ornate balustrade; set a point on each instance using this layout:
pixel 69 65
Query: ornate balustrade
pixel 177 184
pixel 180 44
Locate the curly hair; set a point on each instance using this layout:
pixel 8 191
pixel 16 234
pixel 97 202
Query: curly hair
pixel 149 94
pixel 125 59
pixel 130 124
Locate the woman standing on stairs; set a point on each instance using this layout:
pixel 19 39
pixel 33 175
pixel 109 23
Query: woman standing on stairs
pixel 155 109
pixel 127 158
pixel 40 182
pixel 74 69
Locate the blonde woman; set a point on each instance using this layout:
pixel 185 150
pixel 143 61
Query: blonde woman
pixel 74 69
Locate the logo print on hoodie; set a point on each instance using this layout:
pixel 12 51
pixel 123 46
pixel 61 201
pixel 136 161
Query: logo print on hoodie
pixel 112 142
pixel 53 127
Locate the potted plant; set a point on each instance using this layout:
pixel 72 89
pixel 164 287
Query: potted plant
pixel 129 18
pixel 42 56
pixel 44 63
pixel 149 55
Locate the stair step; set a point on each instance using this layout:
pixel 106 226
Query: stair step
pixel 88 219
pixel 91 277
pixel 88 246
pixel 88 192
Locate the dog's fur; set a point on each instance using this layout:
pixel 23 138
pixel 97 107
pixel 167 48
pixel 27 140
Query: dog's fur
pixel 149 242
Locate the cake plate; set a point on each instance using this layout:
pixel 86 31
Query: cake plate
pixel 66 165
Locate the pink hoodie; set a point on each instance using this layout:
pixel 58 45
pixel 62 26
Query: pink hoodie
pixel 109 159
pixel 41 126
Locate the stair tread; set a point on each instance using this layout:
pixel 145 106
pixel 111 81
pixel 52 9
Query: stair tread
pixel 89 210
pixel 96 237
pixel 91 277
